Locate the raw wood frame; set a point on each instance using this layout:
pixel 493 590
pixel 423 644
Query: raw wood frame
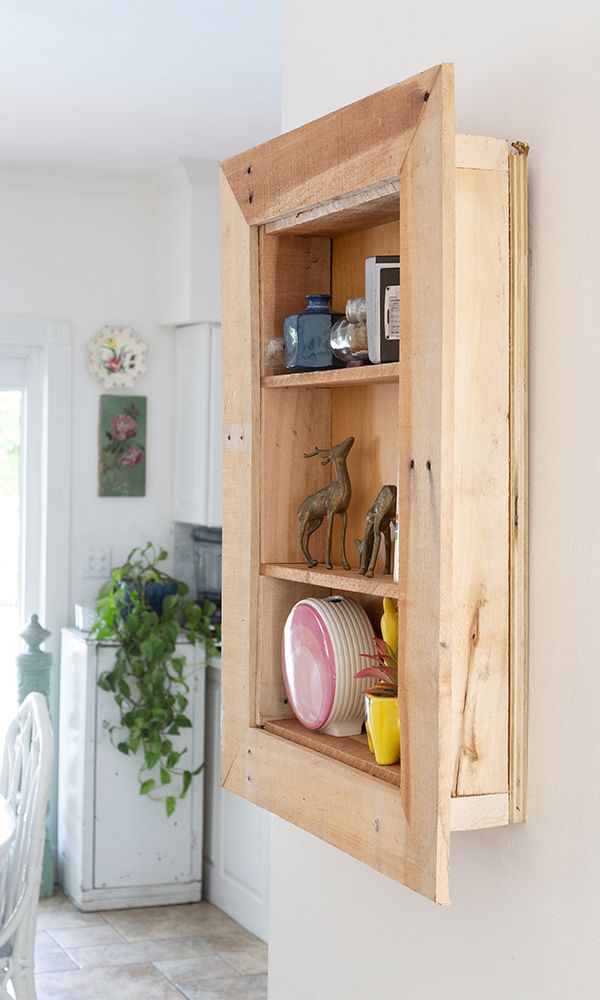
pixel 410 133
pixel 463 726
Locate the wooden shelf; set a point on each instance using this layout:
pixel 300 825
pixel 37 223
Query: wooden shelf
pixel 332 579
pixel 351 750
pixel 338 377
pixel 371 206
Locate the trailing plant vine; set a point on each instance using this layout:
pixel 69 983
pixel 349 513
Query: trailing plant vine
pixel 145 611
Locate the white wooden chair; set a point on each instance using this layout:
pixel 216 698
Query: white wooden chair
pixel 25 783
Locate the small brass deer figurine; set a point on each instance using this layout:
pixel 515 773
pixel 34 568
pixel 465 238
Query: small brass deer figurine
pixel 377 522
pixel 333 499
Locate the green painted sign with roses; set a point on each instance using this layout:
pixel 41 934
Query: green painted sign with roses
pixel 122 440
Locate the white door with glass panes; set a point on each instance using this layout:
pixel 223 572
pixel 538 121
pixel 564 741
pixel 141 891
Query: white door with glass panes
pixel 20 523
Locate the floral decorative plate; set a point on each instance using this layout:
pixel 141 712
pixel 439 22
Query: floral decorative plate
pixel 117 357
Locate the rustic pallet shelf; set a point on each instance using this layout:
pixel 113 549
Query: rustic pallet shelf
pixel 367 375
pixel 473 812
pixel 332 579
pixel 350 750
pixel 447 426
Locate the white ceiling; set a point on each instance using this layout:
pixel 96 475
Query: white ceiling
pixel 133 84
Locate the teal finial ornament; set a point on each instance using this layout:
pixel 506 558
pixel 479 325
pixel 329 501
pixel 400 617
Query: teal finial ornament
pixel 33 674
pixel 33 667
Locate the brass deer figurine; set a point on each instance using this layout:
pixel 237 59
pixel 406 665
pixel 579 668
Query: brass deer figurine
pixel 333 499
pixel 377 522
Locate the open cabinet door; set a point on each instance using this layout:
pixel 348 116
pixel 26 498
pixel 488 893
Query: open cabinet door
pixel 336 173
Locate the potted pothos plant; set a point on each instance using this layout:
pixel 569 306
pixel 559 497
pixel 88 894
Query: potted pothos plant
pixel 145 611
pixel 381 700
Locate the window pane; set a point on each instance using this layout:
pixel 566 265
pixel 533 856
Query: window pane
pixel 10 459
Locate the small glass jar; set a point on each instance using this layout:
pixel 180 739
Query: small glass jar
pixel 307 336
pixel 349 341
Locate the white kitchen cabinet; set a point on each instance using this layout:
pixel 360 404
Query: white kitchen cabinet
pixel 236 834
pixel 187 245
pixel 116 847
pixel 197 425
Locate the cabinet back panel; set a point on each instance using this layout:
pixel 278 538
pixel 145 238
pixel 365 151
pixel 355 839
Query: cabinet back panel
pixel 370 414
pixel 348 253
pixel 481 498
pixel 290 268
pixel 294 421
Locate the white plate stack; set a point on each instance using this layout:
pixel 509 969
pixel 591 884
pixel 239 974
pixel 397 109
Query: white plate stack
pixel 321 651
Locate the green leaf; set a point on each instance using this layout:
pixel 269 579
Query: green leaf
pixel 123 747
pixel 147 786
pixel 187 780
pixel 165 777
pixel 124 688
pixel 170 603
pixel 170 803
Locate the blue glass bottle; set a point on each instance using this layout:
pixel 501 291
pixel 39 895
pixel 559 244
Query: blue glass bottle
pixel 306 336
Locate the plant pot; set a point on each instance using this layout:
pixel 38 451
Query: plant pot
pixel 155 592
pixel 383 727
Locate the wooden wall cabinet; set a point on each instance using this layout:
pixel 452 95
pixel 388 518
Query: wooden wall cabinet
pixel 448 424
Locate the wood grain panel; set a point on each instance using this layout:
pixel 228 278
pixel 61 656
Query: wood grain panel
pixel 241 429
pixel 479 812
pixel 348 255
pixel 291 267
pixel 360 210
pixel 294 421
pixel 481 459
pixel 338 377
pixel 368 413
pixel 337 579
pixel 351 750
pixel 353 148
pixel 519 505
pixel 426 439
pixel 339 804
pixel 481 152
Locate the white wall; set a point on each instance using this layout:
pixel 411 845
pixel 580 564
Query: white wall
pixel 525 919
pixel 81 248
pixel 187 245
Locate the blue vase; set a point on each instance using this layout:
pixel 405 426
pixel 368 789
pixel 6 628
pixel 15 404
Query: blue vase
pixel 307 334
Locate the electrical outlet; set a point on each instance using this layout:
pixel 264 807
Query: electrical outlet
pixel 96 563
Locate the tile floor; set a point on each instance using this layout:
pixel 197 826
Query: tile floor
pixel 152 953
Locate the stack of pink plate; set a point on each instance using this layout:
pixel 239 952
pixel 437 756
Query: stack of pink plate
pixel 321 651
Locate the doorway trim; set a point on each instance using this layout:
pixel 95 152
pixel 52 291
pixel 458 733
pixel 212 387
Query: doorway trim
pixel 54 336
